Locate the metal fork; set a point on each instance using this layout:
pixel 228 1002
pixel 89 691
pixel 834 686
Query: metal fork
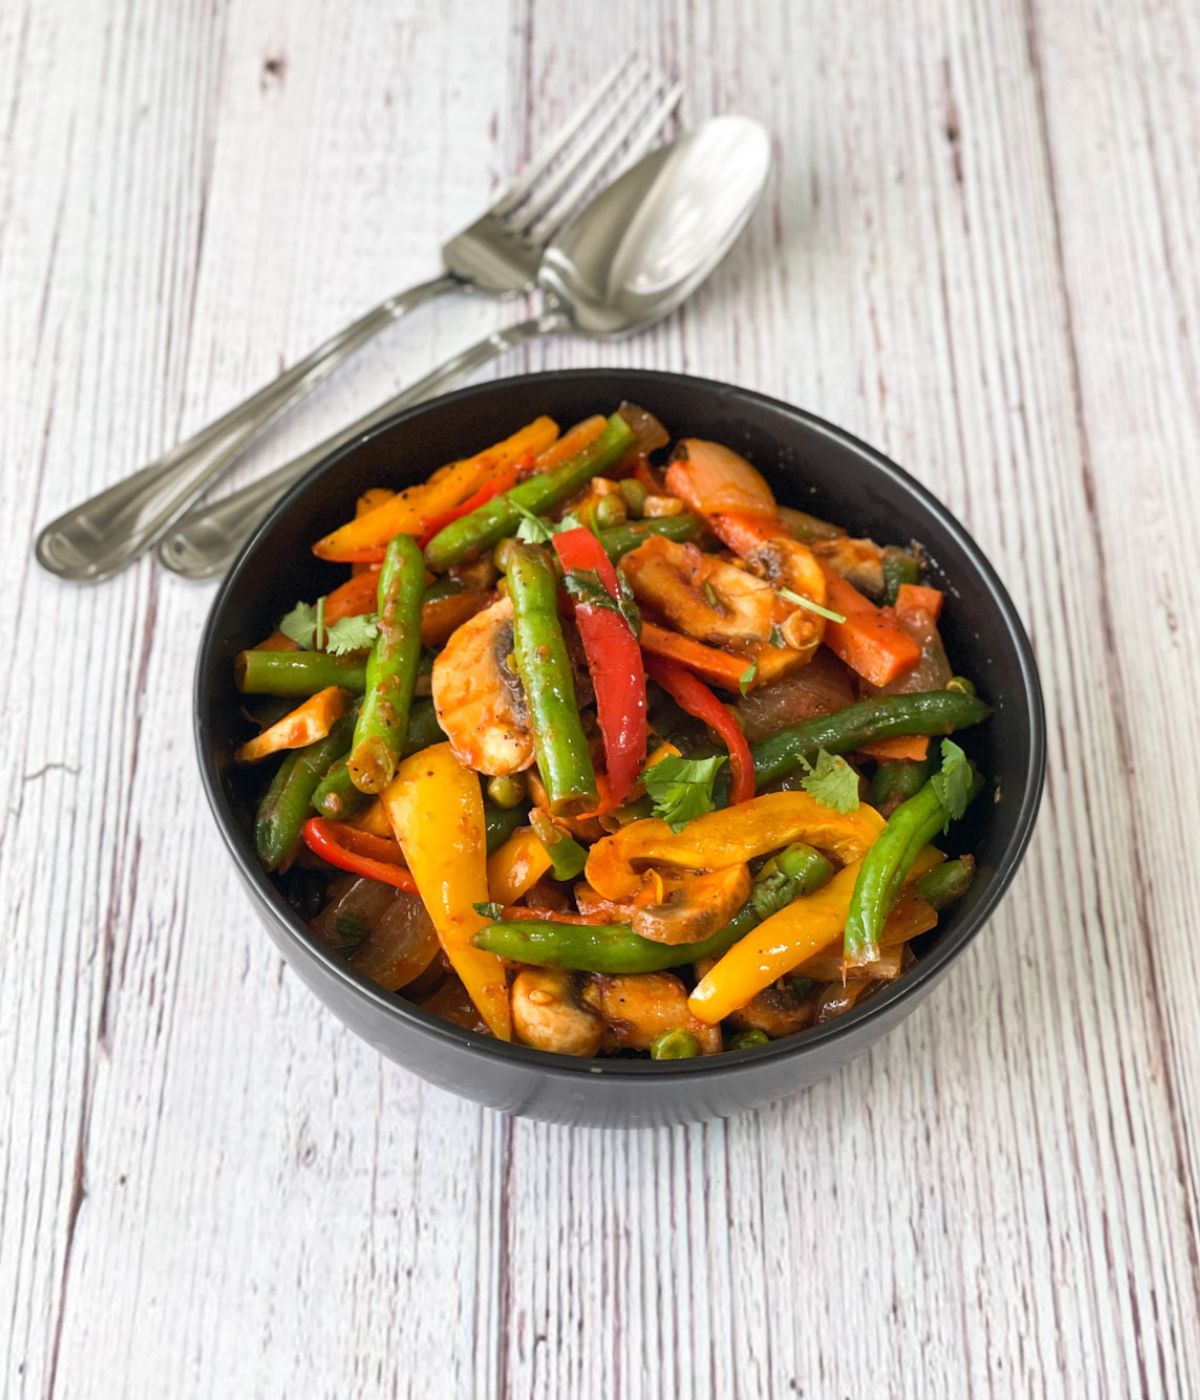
pixel 498 254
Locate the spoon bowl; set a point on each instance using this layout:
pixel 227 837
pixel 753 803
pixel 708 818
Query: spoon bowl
pixel 632 256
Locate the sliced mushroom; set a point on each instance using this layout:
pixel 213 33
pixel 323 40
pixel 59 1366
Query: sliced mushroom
pixel 478 698
pixel 783 1008
pixel 548 1012
pixel 696 909
pixel 639 1007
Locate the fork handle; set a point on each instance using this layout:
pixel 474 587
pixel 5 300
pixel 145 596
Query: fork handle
pixel 206 541
pixel 103 534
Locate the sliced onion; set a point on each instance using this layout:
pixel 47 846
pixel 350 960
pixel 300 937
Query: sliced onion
pixel 386 934
pixel 648 433
pixel 715 480
pixel 821 688
pixel 401 945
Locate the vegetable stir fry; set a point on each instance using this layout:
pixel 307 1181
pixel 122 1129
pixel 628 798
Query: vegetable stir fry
pixel 601 749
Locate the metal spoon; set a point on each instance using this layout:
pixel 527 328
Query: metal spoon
pixel 637 251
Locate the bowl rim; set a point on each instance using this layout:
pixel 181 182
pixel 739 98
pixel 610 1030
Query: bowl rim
pixel 391 1004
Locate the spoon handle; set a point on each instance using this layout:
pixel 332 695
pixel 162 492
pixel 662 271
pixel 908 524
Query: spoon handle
pixel 206 541
pixel 103 534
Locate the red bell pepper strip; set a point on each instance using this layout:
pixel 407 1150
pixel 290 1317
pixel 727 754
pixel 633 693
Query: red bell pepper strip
pixel 696 698
pixel 348 848
pixel 615 662
pixel 505 478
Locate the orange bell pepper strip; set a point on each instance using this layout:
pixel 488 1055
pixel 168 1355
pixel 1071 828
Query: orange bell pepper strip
pixel 720 667
pixel 900 746
pixel 371 498
pixel 730 836
pixel 571 444
pixel 436 809
pixel 514 869
pixel 352 598
pixel 781 944
pixel 303 726
pixel 374 819
pixel 919 598
pixel 409 510
pixel 871 640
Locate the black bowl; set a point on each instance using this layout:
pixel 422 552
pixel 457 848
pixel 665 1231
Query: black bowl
pixel 812 465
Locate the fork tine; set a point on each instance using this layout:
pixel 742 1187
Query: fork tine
pixel 648 116
pixel 516 190
pixel 546 190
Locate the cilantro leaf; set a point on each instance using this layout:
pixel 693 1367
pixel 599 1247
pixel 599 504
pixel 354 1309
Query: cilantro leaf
pixel 299 625
pixel 746 679
pixel 681 788
pixel 353 928
pixel 584 586
pixel 492 911
pixel 777 638
pixel 790 596
pixel 832 782
pixel 953 782
pixel 532 529
pixel 351 634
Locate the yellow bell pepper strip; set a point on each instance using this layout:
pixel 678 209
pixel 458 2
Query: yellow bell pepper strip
pixel 436 810
pixel 302 726
pixel 730 836
pixel 517 866
pixel 782 943
pixel 911 915
pixel 408 511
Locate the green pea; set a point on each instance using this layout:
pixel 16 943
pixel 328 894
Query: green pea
pixel 675 1045
pixel 745 1040
pixel 502 553
pixel 610 510
pixel 506 790
pixel 634 495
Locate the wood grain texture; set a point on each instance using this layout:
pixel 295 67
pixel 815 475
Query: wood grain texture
pixel 980 252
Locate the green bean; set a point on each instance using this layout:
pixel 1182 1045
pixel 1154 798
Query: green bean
pixel 545 669
pixel 622 538
pixel 391 668
pixel 296 673
pixel 898 567
pixel 896 780
pixel 675 1045
pixel 909 829
pixel 567 856
pixel 615 948
pixel 464 538
pixel 928 712
pixel 337 797
pixel 501 822
pixel 288 799
pixel 443 588
pixel 946 884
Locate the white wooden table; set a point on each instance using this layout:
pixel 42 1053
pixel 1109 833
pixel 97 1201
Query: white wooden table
pixel 980 252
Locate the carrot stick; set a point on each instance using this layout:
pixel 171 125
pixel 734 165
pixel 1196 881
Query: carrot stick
pixel 918 598
pixel 871 640
pixel 444 615
pixel 303 726
pixel 408 510
pixel 720 667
